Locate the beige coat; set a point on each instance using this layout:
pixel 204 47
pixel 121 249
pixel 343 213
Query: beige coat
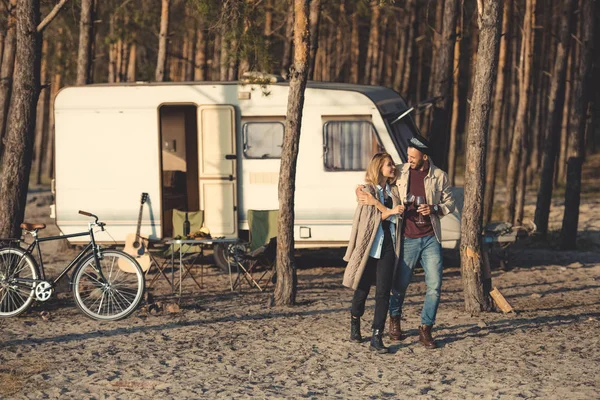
pixel 437 191
pixel 364 229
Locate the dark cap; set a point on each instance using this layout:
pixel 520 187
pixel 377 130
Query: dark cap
pixel 421 144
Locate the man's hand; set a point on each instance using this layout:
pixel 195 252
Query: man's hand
pixel 365 198
pixel 425 209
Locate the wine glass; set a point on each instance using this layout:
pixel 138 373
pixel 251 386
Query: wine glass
pixel 418 201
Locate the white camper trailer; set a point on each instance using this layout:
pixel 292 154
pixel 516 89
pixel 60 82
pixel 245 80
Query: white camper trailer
pixel 216 147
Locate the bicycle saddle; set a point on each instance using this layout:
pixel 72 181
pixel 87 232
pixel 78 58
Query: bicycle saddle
pixel 30 227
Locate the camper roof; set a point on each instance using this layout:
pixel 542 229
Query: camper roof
pixel 387 100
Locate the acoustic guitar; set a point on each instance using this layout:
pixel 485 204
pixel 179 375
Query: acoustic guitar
pixel 135 245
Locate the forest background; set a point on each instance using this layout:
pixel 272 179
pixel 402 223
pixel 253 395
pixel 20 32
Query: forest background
pixel 420 48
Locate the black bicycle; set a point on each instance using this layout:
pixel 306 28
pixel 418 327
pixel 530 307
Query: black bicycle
pixel 102 287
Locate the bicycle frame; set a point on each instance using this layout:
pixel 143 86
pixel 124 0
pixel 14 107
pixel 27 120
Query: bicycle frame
pixel 90 246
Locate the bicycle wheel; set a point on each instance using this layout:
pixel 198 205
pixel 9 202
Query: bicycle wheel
pixel 114 297
pixel 18 273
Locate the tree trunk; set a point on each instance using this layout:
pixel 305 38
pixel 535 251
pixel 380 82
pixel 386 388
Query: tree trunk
pixel 521 118
pixel 41 120
pixel 268 31
pixel 476 277
pixel 86 34
pixel 7 69
pixel 577 125
pixel 412 29
pixel 373 48
pixel 200 53
pixel 392 38
pixel 20 130
pixel 315 17
pixel 161 61
pixel 382 44
pixel 498 106
pixel 340 44
pixel 561 168
pixel 555 106
pixel 2 36
pixel 288 41
pixel 55 86
pixel 132 65
pixel 285 288
pixel 404 43
pixel 112 55
pixel 354 49
pixel 442 85
pixel 455 110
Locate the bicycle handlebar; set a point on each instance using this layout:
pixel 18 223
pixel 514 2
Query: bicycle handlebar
pixel 88 214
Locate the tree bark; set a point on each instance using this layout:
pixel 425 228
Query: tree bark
pixel 476 279
pixel 20 131
pixel 497 113
pixel 161 61
pixel 112 55
pixel 354 49
pixel 412 29
pixel 200 53
pixel 560 173
pixel 373 48
pixel 556 102
pixel 86 34
pixel 7 69
pixel 521 118
pixel 455 110
pixel 42 115
pixel 132 64
pixel 315 17
pixel 285 288
pixel 55 86
pixel 577 125
pixel 268 31
pixel 442 85
pixel 288 41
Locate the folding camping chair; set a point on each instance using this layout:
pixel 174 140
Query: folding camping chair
pixel 165 257
pixel 256 260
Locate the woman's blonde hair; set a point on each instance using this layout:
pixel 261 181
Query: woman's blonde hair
pixel 374 169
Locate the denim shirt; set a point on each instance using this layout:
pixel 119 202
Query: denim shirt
pixel 378 242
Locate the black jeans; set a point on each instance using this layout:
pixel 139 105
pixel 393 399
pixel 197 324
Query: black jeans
pixel 381 272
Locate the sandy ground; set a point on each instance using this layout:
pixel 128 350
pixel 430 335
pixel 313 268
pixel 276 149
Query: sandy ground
pixel 233 345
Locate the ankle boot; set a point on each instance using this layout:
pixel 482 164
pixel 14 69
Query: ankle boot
pixel 355 330
pixel 425 337
pixel 395 331
pixel 377 343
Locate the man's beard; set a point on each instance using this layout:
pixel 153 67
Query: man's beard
pixel 418 165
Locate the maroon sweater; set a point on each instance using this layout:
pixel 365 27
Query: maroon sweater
pixel 416 186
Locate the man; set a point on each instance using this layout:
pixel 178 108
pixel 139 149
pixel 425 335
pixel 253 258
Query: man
pixel 421 237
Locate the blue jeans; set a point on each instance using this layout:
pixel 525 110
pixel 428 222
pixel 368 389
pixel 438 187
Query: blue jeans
pixel 429 251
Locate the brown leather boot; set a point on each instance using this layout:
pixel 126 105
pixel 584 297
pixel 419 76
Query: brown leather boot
pixel 395 331
pixel 425 337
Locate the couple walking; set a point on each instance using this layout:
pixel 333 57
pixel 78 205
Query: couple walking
pixel 390 234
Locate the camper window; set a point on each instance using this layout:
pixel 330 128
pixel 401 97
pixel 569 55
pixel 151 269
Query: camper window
pixel 263 139
pixel 349 145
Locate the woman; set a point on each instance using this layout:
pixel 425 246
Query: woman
pixel 374 248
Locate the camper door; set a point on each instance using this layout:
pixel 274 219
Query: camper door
pixel 217 168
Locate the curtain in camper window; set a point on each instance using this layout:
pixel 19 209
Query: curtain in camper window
pixel 263 139
pixel 349 145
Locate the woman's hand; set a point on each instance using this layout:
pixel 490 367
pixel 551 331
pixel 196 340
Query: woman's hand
pixel 399 209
